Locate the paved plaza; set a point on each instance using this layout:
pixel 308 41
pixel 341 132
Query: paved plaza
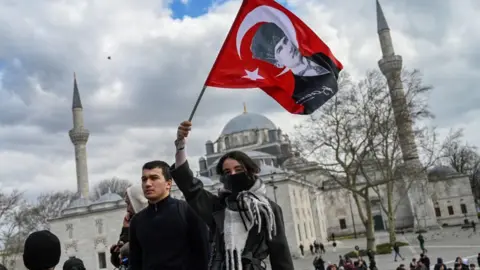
pixel 447 243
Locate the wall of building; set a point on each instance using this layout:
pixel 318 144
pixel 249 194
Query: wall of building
pixel 89 236
pixel 453 200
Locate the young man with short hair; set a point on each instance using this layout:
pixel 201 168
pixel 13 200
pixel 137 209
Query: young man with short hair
pixel 168 234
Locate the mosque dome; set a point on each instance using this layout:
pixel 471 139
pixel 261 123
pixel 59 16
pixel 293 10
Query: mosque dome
pixel 109 197
pixel 80 202
pixel 247 121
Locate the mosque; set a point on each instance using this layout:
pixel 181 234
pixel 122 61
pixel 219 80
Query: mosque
pixel 313 205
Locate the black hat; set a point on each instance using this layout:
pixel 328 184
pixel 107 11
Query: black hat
pixel 73 264
pixel 41 251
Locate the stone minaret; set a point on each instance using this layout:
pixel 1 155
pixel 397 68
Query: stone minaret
pixel 391 67
pixel 79 137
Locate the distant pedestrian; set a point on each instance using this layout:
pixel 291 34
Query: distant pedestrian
pixel 396 249
pixel 425 260
pixel 319 263
pixel 316 246
pixel 301 249
pixel 311 249
pixel 421 241
pixel 413 264
pixel 322 248
pixel 332 237
pixel 334 246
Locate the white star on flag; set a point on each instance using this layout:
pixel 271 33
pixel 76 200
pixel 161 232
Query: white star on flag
pixel 252 75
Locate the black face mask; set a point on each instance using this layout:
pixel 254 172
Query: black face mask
pixel 238 182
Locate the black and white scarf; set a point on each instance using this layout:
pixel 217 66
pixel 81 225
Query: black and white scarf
pixel 254 208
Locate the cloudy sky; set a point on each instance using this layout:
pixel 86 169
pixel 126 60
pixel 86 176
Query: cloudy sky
pixel 161 52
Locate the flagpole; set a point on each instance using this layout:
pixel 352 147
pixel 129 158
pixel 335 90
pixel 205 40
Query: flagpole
pixel 196 103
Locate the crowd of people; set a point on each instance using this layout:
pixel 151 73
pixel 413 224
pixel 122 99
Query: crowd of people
pixel 236 229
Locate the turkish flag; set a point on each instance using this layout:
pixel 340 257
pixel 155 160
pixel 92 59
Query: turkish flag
pixel 270 48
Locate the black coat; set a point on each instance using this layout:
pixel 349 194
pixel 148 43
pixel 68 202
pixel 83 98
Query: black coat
pixel 211 209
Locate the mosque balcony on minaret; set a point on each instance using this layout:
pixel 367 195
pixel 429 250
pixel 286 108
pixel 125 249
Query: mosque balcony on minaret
pixel 390 64
pixel 79 135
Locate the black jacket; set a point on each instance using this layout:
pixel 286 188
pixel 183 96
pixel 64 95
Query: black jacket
pixel 210 208
pixel 164 238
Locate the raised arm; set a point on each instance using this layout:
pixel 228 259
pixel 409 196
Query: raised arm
pixel 202 202
pixel 280 257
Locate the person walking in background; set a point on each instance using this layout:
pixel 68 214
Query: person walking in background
pixel 248 226
pixel 135 201
pixel 396 249
pixel 311 249
pixel 41 251
pixel 319 263
pixel 167 234
pixel 322 248
pixel 413 264
pixel 421 240
pixel 301 249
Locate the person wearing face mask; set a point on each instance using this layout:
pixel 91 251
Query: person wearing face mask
pixel 247 226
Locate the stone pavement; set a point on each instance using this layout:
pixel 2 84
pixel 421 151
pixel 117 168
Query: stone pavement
pixel 448 244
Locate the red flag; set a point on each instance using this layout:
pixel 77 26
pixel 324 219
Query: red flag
pixel 270 48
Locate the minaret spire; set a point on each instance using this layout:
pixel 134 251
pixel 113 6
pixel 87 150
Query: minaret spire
pixel 381 21
pixel 77 102
pixel 79 137
pixel 413 172
pixel 244 107
pixel 383 31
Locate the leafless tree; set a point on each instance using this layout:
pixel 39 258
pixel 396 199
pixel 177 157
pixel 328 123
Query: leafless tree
pixel 354 138
pixel 465 159
pixel 114 185
pixel 9 205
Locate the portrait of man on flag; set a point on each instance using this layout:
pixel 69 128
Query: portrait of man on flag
pixel 271 44
pixel 268 47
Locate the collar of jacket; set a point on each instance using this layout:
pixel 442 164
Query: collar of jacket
pixel 159 204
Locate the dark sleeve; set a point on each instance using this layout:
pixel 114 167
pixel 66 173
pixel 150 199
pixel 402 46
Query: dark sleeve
pixel 124 235
pixel 280 257
pixel 135 256
pixel 198 240
pixel 202 202
pixel 114 259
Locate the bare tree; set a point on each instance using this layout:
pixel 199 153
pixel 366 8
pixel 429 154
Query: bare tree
pixel 465 159
pixel 354 138
pixel 114 185
pixel 9 205
pixel 338 138
pixel 29 217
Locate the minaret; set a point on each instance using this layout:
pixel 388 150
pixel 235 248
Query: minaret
pixel 391 67
pixel 79 137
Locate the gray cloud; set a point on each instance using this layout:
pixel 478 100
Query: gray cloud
pixel 134 101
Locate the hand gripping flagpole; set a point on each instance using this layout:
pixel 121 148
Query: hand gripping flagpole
pixel 196 103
